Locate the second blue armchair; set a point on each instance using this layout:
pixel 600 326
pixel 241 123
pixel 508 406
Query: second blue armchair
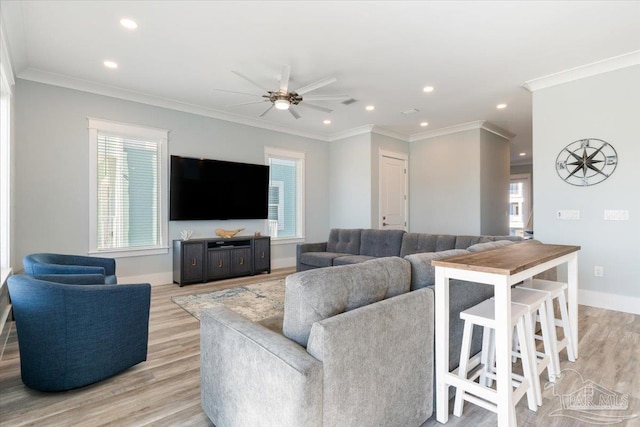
pixel 47 263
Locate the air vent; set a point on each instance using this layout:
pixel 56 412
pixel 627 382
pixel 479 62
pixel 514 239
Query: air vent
pixel 411 111
pixel 349 101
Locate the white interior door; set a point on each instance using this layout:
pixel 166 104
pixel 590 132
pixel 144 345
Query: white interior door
pixel 393 191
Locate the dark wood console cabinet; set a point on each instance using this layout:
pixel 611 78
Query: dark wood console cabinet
pixel 204 260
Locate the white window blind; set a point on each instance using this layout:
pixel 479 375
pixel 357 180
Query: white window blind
pixel 127 193
pixel 128 177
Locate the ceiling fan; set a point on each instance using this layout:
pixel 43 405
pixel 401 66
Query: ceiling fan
pixel 283 99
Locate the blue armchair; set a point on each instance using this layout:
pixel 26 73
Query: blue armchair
pixel 72 335
pixel 46 263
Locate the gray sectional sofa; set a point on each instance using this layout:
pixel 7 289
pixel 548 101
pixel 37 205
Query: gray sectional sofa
pixel 357 340
pixel 350 246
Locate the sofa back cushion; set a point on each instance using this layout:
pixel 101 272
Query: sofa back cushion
pixel 414 243
pixel 422 272
pixel 344 240
pixel 315 295
pixel 381 243
pixel 486 246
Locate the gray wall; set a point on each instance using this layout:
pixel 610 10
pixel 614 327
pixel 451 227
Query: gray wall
pixel 444 184
pixel 350 182
pixel 52 157
pixel 606 106
pixel 494 184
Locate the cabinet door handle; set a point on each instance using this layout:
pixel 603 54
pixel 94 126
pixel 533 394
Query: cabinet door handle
pixel 241 260
pixel 194 261
pixel 262 254
pixel 219 263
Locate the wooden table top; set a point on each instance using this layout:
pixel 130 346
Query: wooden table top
pixel 507 260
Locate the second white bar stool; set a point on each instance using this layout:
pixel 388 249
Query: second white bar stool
pixel 556 290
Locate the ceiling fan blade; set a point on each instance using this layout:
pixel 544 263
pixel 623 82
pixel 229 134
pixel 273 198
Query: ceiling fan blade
pixel 294 113
pixel 327 98
pixel 247 103
pixel 316 107
pixel 266 111
pixel 250 81
pixel 239 93
pixel 316 85
pixel 284 78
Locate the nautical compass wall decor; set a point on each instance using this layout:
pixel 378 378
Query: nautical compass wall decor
pixel 586 162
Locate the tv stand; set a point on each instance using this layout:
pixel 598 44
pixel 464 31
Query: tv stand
pixel 205 260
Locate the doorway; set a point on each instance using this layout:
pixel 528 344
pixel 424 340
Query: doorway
pixel 393 191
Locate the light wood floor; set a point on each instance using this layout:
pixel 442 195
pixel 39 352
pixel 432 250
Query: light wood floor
pixel 165 390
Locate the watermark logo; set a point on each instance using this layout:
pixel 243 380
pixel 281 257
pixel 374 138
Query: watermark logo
pixel 587 401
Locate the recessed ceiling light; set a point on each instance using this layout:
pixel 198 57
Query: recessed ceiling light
pixel 110 64
pixel 424 124
pixel 501 106
pixel 327 122
pixel 427 89
pixel 523 154
pixel 128 23
pixel 370 108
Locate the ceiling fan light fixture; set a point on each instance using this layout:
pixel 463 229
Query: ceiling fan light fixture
pixel 282 104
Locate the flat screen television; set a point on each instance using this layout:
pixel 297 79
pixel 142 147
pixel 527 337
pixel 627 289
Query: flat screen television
pixel 203 189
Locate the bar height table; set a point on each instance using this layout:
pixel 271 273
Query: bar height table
pixel 502 268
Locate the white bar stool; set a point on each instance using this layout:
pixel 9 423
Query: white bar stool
pixel 537 303
pixel 556 290
pixel 483 314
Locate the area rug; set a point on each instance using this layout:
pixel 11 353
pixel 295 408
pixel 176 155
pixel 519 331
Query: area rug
pixel 261 303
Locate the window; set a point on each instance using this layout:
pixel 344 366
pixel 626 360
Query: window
pixel 520 220
pixel 6 81
pixel 286 193
pixel 128 200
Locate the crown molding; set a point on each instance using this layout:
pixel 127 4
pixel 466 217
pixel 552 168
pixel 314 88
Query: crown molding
pixel 490 127
pixel 361 130
pixel 390 133
pixel 61 80
pixel 478 124
pixel 610 64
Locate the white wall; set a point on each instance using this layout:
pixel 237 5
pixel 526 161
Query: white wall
pixel 51 164
pixel 444 184
pixel 494 184
pixel 605 106
pixel 350 182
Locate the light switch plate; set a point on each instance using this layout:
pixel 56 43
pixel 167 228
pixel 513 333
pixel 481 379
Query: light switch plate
pixel 568 215
pixel 616 215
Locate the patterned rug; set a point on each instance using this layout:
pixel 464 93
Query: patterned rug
pixel 261 303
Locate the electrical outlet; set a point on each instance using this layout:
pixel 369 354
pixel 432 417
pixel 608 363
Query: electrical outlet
pixel 598 271
pixel 613 215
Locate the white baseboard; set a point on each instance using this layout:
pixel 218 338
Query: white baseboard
pixel 283 263
pixel 153 278
pixel 624 303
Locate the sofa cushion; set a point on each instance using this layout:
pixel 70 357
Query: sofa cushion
pixel 319 259
pixel 343 240
pixel 381 243
pixel 489 245
pixel 351 259
pixel 463 242
pixel 422 272
pixel 414 243
pixel 318 294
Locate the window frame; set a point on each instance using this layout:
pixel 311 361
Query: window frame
pixel 125 130
pixel 6 99
pixel 299 158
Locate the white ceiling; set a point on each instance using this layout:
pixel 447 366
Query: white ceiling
pixel 476 54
